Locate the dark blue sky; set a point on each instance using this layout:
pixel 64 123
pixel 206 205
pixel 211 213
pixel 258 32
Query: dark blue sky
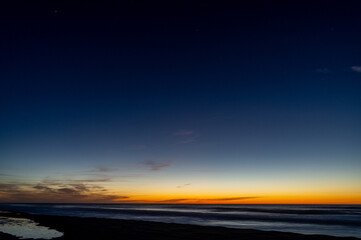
pixel 195 85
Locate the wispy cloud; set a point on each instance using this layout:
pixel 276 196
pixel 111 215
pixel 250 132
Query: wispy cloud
pixel 176 200
pixel 184 133
pixel 205 200
pixel 50 190
pixel 138 147
pixel 205 171
pixel 187 136
pixel 190 139
pixel 4 175
pixel 234 198
pixel 73 189
pixel 156 166
pixel 52 181
pixel 356 69
pixel 184 185
pixel 103 169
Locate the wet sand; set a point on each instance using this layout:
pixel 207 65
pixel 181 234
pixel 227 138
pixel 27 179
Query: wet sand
pixel 103 229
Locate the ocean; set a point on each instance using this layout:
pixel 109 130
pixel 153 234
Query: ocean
pixel 334 220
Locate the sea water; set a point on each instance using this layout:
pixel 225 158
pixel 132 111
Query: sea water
pixel 335 220
pixel 25 228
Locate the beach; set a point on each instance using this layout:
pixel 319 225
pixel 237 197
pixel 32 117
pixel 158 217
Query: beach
pixel 180 120
pixel 98 228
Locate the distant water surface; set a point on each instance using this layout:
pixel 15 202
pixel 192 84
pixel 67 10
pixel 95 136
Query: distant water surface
pixel 335 220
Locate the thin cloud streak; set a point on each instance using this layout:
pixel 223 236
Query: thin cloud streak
pixel 177 200
pixel 138 147
pixel 205 171
pixel 156 166
pixel 5 175
pixel 184 185
pixel 51 181
pixel 190 139
pixel 234 198
pixel 103 169
pixel 184 133
pixel 202 200
pixel 356 69
pixel 186 136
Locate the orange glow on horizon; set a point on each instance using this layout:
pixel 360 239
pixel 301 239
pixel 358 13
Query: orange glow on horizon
pixel 259 200
pixel 166 193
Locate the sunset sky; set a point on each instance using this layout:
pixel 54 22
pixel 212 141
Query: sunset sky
pixel 188 102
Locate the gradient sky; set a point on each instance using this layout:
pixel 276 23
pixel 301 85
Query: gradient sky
pixel 192 102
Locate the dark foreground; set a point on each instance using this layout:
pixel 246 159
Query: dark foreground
pixel 97 228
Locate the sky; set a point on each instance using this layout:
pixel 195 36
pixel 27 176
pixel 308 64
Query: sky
pixel 180 102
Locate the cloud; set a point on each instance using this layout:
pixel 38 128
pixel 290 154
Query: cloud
pixel 205 171
pixel 234 198
pixel 138 147
pixel 186 136
pixel 207 200
pixel 53 191
pixel 104 169
pixel 76 190
pixel 4 175
pixel 356 69
pixel 184 133
pixel 190 139
pixel 51 181
pixel 176 200
pixel 184 185
pixel 4 187
pixel 156 166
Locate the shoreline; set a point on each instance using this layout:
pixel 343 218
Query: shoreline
pixel 101 228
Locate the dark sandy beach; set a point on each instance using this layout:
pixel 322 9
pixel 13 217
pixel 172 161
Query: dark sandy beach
pixel 97 228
